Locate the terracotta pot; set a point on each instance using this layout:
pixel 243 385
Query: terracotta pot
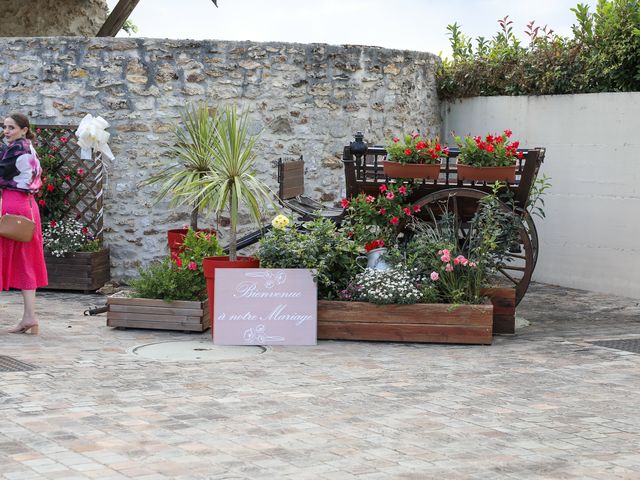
pixel 209 265
pixel 411 170
pixel 487 174
pixel 175 239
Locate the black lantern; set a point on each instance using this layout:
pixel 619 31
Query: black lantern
pixel 359 147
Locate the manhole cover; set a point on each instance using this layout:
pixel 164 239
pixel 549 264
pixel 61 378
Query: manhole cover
pixel 9 364
pixel 626 344
pixel 204 351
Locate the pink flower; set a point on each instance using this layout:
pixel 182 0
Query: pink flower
pixel 472 264
pixel 64 139
pixel 383 188
pixel 407 211
pixel 396 139
pixel 508 133
pixel 192 265
pixel 434 276
pixel 345 203
pixel 390 196
pixel 178 262
pixel 402 190
pixel 416 208
pixel 370 198
pixel 84 230
pixel 448 268
pixel 53 223
pixel 460 260
pixel 81 171
pixel 446 255
pixel 394 220
pixel 382 211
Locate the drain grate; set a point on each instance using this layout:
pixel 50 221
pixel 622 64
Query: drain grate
pixel 626 344
pixel 9 364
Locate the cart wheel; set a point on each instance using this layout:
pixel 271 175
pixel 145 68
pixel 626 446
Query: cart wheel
pixel 532 231
pixel 463 203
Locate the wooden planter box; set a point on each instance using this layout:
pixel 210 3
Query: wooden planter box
pixel 504 308
pixel 86 271
pixel 179 315
pixel 437 323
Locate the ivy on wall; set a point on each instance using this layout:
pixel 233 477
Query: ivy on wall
pixel 603 55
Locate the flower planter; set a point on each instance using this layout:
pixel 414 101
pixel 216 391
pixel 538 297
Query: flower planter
pixel 487 174
pixel 175 239
pixel 435 323
pixel 209 265
pixel 155 314
pixel 85 271
pixel 504 308
pixel 411 170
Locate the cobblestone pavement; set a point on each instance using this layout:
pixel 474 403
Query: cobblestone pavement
pixel 542 404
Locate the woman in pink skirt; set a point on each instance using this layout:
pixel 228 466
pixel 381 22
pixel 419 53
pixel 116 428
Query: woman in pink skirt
pixel 21 263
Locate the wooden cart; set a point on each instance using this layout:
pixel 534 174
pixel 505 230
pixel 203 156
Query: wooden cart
pixel 363 170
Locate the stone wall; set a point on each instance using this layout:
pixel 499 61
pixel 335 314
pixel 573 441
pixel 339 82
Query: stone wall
pixel 44 18
pixel 309 99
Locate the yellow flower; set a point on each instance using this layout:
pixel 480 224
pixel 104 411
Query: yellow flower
pixel 280 222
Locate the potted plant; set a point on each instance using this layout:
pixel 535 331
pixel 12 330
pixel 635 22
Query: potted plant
pixel 194 138
pixel 492 158
pixel 230 182
pixel 380 217
pixel 331 253
pixel 75 259
pixel 414 157
pixel 171 294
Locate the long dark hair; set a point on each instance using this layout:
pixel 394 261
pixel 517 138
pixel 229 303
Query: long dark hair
pixel 23 122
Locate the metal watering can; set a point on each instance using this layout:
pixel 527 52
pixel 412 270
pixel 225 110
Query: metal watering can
pixel 375 259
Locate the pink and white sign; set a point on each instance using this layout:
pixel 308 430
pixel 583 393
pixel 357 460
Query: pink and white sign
pixel 263 306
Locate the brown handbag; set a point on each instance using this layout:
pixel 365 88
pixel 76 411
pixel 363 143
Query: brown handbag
pixel 17 227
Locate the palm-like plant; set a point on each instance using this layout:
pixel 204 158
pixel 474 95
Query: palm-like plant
pixel 231 180
pixel 195 139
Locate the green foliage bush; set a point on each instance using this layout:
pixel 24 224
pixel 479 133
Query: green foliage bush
pixel 182 279
pixel 319 246
pixel 602 56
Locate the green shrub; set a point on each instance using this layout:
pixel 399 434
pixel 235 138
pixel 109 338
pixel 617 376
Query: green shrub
pixel 602 56
pixel 182 279
pixel 319 246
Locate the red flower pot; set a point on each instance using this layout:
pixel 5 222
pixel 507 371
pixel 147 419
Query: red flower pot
pixel 209 265
pixel 175 239
pixel 411 170
pixel 487 174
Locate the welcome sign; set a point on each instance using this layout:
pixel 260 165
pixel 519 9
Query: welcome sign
pixel 262 306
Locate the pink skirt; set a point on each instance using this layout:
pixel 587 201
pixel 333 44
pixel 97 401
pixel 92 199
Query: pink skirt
pixel 22 263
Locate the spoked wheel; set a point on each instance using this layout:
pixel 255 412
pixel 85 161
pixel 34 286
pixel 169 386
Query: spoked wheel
pixel 462 203
pixel 532 231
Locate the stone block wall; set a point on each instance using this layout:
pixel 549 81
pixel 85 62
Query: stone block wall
pixel 41 18
pixel 306 99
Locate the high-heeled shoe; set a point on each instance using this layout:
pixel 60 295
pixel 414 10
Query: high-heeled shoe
pixel 33 329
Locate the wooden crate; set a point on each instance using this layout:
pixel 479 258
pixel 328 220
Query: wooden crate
pixel 436 323
pixel 86 271
pixel 157 314
pixel 504 308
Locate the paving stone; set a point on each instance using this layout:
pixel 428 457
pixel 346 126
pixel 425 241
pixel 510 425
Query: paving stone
pixel 541 404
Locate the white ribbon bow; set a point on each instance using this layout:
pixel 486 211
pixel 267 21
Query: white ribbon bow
pixel 92 135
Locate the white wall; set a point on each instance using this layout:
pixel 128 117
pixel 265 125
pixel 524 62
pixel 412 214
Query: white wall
pixel 591 236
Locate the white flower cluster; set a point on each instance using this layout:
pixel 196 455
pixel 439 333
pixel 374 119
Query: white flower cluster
pixel 396 285
pixel 63 237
